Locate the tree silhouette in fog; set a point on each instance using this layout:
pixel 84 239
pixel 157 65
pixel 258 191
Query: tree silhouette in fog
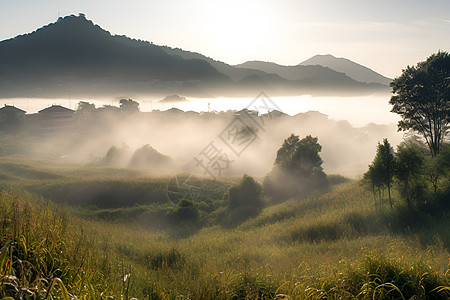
pixel 85 107
pixel 386 160
pixel 129 106
pixel 297 169
pixel 244 200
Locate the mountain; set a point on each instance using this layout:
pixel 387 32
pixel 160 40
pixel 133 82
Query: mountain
pixel 73 53
pixel 350 68
pixel 233 72
pixel 322 74
pixel 315 78
pixel 75 57
pixel 290 79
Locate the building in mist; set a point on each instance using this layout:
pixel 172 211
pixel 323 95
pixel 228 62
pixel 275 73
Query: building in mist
pixel 11 117
pixel 11 114
pixel 55 118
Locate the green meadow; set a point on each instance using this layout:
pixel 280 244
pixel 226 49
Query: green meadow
pixel 88 232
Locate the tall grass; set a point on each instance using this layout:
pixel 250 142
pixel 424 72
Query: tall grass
pixel 329 245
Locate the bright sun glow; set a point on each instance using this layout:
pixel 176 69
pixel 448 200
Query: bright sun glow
pixel 240 27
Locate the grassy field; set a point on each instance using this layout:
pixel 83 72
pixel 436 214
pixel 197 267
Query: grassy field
pixel 100 233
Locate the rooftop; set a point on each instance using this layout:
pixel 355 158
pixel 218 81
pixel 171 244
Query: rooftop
pixel 11 108
pixel 56 109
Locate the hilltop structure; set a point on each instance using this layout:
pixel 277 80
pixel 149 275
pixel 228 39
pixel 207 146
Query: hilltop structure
pixel 55 117
pixel 11 114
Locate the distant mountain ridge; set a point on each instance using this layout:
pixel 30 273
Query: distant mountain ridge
pixel 299 72
pixel 75 46
pixel 353 70
pixel 75 56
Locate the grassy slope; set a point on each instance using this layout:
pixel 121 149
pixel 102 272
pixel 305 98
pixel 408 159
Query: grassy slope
pixel 327 245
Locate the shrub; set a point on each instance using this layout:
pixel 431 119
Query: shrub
pixel 244 199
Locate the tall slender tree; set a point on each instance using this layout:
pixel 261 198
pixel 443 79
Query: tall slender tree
pixel 385 154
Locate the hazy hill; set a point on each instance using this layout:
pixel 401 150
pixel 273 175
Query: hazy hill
pixel 233 72
pixel 73 51
pixel 319 73
pixel 289 79
pixel 315 79
pixel 350 68
pixel 75 57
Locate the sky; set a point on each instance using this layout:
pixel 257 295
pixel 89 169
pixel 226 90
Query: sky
pixel 383 35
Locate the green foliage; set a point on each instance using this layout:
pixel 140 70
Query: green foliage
pixel 437 168
pixel 297 169
pixel 372 179
pixel 299 157
pixel 421 98
pixel 246 262
pixel 409 172
pixel 388 164
pixel 244 200
pixel 421 179
pixel 329 245
pixel 31 264
pixel 334 179
pixel 381 171
pixel 106 193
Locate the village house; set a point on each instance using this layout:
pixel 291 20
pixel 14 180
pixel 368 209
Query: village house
pixel 55 118
pixel 11 114
pixel 11 117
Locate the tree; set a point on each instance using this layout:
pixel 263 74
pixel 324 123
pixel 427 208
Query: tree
pixel 297 168
pixel 410 161
pixel 421 98
pixel 381 170
pixel 244 199
pixel 373 180
pixel 385 152
pixel 129 106
pixel 300 157
pixel 437 168
pixel 85 107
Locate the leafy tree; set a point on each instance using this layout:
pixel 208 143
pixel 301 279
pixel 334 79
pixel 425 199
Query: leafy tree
pixel 410 161
pixel 297 168
pixel 244 199
pixel 444 159
pixel 385 154
pixel 85 107
pixel 381 170
pixel 300 157
pixel 129 106
pixel 373 180
pixel 438 167
pixel 421 98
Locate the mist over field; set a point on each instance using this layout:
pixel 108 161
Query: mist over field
pixel 347 149
pixel 130 169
